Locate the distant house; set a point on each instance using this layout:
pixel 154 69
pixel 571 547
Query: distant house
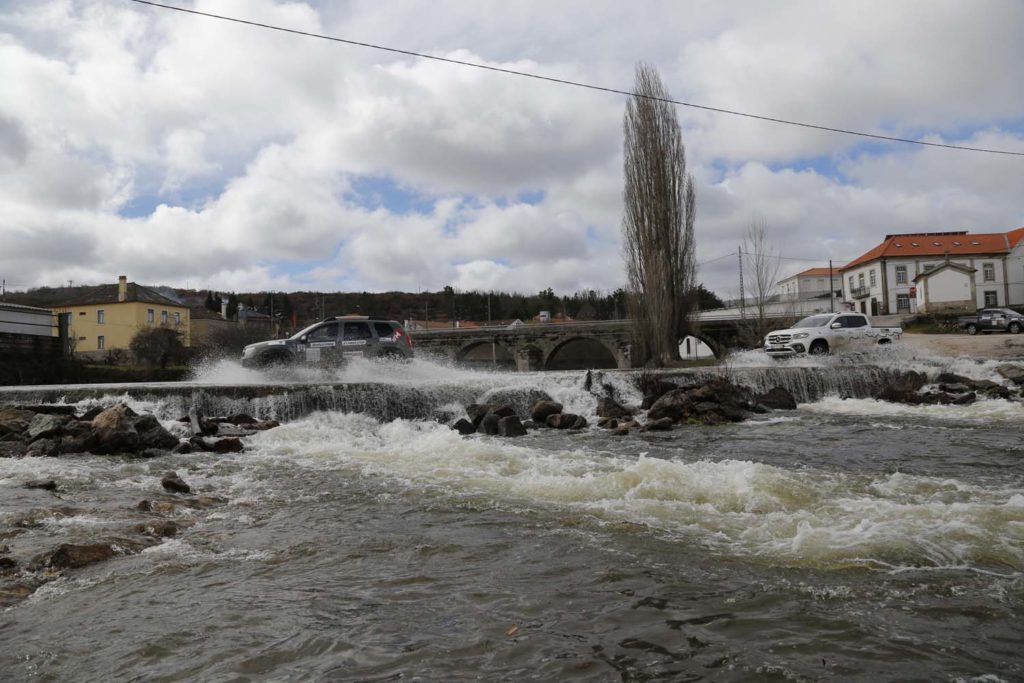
pixel 205 324
pixel 106 317
pixel 882 280
pixel 948 288
pixel 812 283
pixel 18 319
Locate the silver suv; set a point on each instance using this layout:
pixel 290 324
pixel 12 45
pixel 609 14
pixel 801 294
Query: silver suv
pixel 332 341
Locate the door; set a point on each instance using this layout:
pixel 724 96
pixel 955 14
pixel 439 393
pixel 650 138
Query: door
pixel 321 345
pixel 356 338
pixel 857 331
pixel 874 307
pixel 863 307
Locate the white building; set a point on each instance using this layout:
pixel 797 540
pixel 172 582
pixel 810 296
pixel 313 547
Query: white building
pixel 882 281
pixel 812 283
pixel 18 319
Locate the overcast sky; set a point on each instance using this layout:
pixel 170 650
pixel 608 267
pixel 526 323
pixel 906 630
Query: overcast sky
pixel 181 150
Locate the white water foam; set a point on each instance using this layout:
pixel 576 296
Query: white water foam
pixel 979 412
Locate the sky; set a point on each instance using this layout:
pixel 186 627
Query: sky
pixel 186 151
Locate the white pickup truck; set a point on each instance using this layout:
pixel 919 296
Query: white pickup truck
pixel 829 333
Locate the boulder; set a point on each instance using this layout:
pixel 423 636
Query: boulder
pixel 650 385
pixel 73 556
pixel 675 404
pixel 777 398
pixel 904 388
pixel 44 484
pixel 266 424
pixel 520 399
pixel 183 447
pixel 609 407
pixel 90 415
pixel 116 417
pixel 43 448
pixel 663 424
pixel 228 445
pixel 173 483
pixel 8 565
pixel 157 528
pixel 476 412
pixel 489 424
pixel 13 449
pixel 153 435
pixel 542 410
pixel 1011 372
pixel 463 426
pixel 566 421
pixel 241 419
pixel 114 431
pixel 608 423
pixel 511 426
pixel 15 420
pixel 68 411
pixel 503 411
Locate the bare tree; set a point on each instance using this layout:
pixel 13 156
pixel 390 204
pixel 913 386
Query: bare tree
pixel 762 262
pixel 657 224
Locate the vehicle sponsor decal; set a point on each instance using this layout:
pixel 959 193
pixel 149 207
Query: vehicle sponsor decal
pixel 312 355
pixel 354 342
pixel 322 345
pixel 352 354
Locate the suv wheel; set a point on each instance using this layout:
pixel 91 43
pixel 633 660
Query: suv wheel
pixel 819 348
pixel 1014 328
pixel 972 329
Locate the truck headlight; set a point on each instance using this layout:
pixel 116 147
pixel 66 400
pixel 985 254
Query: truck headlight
pixel 801 335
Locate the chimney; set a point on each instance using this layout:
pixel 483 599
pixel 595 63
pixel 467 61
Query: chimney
pixel 122 287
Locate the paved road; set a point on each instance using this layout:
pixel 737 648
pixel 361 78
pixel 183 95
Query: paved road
pixel 982 346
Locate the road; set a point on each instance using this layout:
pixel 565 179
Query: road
pixel 981 346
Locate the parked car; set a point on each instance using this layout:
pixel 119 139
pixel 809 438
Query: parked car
pixel 331 341
pixel 829 333
pixel 993 320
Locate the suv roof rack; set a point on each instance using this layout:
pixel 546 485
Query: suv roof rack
pixel 345 317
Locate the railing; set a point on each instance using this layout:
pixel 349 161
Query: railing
pixel 859 292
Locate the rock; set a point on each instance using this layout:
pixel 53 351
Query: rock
pixel 675 404
pixel 183 448
pixel 114 431
pixel 489 424
pixel 116 417
pixel 463 426
pixel 566 421
pixel 542 410
pixel 503 411
pixel 650 385
pixel 157 528
pixel 146 453
pixel 14 420
pixel 904 388
pixel 44 484
pixel 43 448
pixel 68 411
pixel 229 445
pixel 966 399
pixel 8 565
pixel 73 556
pixel 90 415
pixel 609 407
pixel 44 426
pixel 777 398
pixel 520 399
pixel 511 426
pixel 144 506
pixel 241 419
pixel 732 413
pixel 954 388
pixel 13 592
pixel 266 424
pixel 476 413
pixel 153 435
pixel 13 449
pixel 621 431
pixel 172 482
pixel 662 424
pixel 4 549
pixel 198 443
pixel 608 423
pixel 1011 372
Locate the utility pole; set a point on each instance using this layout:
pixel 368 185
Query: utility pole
pixel 743 301
pixel 3 290
pixel 831 290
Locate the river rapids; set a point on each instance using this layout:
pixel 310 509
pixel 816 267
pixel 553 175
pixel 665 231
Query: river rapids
pixel 364 540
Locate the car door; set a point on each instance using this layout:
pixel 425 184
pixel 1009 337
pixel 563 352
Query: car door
pixel 321 344
pixel 857 331
pixel 840 335
pixel 356 338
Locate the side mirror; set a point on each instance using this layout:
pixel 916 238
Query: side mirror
pixel 836 325
pixel 302 339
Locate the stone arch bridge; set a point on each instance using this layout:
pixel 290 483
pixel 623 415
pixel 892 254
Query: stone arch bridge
pixel 561 346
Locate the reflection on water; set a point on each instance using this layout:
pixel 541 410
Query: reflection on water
pixel 846 540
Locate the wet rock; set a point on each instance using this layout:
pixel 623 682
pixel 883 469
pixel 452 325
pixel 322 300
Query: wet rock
pixel 44 426
pixel 147 453
pixel 521 400
pixel 4 549
pixel 68 411
pixel 114 431
pixel 14 420
pixel 608 423
pixel 73 556
pixel 675 404
pixel 566 421
pixel 777 398
pixel 653 386
pixel 13 593
pixel 609 407
pixel 997 391
pixel 965 400
pixel 529 424
pixel 904 388
pixel 33 519
pixel 732 413
pixel 463 426
pixel 622 431
pixel 229 445
pixel 241 419
pixel 954 388
pixel 90 415
pixel 663 424
pixel 8 565
pixel 1011 372
pixel 144 506
pixel 158 528
pixel 228 430
pixel 43 448
pixel 153 435
pixel 266 424
pixel 503 411
pixel 13 449
pixel 43 484
pixel 172 482
pixel 116 417
pixel 183 448
pixel 542 410
pixel 476 413
pixel 511 426
pixel 489 424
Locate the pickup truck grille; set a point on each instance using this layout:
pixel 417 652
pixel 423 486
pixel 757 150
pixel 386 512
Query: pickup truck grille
pixel 778 339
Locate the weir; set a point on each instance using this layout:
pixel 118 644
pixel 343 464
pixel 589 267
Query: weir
pixel 439 399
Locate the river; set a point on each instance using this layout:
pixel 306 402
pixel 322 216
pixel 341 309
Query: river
pixel 848 540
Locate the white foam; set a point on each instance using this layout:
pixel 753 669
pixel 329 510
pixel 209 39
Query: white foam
pixel 987 410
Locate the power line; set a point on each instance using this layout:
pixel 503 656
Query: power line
pixel 579 84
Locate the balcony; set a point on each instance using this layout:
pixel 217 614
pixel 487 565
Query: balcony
pixel 859 292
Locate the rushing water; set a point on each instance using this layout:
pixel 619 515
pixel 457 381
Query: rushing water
pixel 847 540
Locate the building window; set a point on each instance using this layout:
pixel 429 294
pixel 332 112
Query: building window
pixel 101 317
pixel 991 299
pixel 150 316
pixel 901 275
pixel 860 280
pixel 926 267
pixel 177 319
pixel 989 271
pixel 851 283
pixel 902 302
pixel 873 279
pixel 163 317
pixel 101 342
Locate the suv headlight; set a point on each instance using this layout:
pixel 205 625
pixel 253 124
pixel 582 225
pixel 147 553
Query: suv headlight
pixel 801 335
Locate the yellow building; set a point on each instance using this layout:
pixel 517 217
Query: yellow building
pixel 106 317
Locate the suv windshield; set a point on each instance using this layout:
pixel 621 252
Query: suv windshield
pixel 814 321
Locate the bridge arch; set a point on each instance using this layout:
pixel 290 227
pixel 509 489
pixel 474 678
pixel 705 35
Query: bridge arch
pixel 713 344
pixel 582 353
pixel 486 353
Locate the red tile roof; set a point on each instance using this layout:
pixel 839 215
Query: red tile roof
pixel 817 272
pixel 939 244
